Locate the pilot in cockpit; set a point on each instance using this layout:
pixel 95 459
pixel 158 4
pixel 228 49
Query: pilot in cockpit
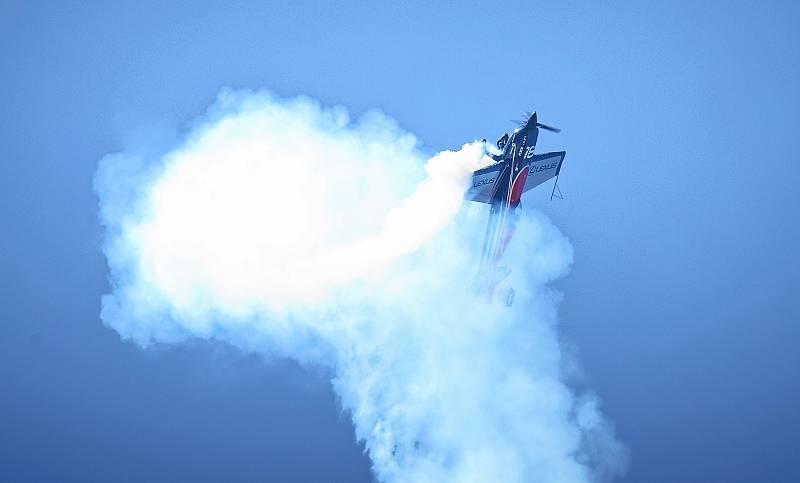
pixel 502 144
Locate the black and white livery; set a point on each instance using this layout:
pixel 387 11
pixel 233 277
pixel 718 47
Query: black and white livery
pixel 516 170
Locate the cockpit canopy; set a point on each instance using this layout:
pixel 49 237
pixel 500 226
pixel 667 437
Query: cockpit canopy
pixel 501 143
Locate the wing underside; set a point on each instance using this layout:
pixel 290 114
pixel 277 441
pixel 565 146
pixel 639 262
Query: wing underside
pixel 542 167
pixel 484 183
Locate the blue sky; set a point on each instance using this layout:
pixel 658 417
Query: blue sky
pixel 679 120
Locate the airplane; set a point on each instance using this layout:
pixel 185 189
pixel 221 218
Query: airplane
pixel 517 169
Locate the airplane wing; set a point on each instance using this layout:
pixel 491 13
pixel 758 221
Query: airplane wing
pixel 542 167
pixel 484 183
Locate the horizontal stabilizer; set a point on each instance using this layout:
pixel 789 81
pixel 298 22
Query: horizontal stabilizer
pixel 510 297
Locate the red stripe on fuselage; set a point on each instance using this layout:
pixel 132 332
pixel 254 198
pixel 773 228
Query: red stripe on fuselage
pixel 517 186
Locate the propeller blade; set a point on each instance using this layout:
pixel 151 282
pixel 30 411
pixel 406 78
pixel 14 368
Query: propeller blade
pixel 548 128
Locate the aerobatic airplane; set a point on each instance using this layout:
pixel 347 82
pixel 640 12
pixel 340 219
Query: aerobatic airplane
pixel 516 170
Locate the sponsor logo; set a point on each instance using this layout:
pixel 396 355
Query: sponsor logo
pixel 483 182
pixel 536 169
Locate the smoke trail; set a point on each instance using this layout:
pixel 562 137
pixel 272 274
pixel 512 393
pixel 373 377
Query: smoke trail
pixel 289 230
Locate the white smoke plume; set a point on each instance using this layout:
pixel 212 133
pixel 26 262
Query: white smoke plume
pixel 290 230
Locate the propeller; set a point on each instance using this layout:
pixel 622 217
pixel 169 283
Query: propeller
pixel 528 115
pixel 547 128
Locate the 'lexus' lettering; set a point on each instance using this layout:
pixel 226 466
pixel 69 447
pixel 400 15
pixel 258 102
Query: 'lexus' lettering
pixel 483 182
pixel 536 169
